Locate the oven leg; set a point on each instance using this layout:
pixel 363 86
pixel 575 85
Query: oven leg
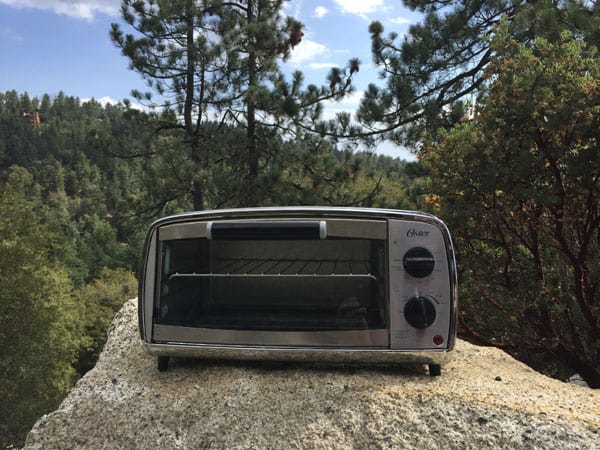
pixel 163 363
pixel 435 370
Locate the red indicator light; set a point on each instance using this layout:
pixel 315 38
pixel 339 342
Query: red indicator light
pixel 438 340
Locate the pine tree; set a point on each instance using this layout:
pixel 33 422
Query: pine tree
pixel 215 61
pixel 39 328
pixel 439 65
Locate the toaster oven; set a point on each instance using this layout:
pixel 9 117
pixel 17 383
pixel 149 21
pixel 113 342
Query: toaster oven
pixel 299 283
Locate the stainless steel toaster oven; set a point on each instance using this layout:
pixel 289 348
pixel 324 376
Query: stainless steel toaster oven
pixel 301 283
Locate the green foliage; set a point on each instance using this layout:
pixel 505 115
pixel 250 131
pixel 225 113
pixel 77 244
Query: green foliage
pixel 39 322
pixel 64 218
pixel 520 186
pixel 439 65
pixel 313 172
pixel 100 300
pixel 90 195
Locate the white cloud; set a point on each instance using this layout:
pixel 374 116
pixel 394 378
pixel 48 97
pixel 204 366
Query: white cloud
pixel 321 65
pixel 293 8
pixel 106 100
pixel 312 55
pixel 307 51
pixel 320 12
pixel 390 149
pixel 103 101
pixel 81 9
pixel 354 98
pixel 400 21
pixel 348 104
pixel 360 7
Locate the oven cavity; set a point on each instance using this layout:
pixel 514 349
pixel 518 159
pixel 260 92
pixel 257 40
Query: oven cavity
pixel 273 285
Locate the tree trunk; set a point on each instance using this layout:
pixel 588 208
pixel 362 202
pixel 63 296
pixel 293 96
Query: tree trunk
pixel 191 128
pixel 197 196
pixel 252 140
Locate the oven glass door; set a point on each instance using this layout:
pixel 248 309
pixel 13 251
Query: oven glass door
pixel 265 289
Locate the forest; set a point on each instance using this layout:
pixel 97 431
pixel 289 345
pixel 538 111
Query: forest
pixel 500 102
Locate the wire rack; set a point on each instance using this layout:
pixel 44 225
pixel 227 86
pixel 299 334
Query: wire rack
pixel 246 267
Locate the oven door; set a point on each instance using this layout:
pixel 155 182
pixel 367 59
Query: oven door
pixel 309 283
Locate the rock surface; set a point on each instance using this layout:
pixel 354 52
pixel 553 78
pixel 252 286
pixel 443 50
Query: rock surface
pixel 484 399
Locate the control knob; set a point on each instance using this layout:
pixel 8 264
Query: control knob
pixel 419 312
pixel 419 262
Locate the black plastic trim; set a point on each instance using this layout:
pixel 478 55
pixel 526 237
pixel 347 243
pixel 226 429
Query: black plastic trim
pixel 296 230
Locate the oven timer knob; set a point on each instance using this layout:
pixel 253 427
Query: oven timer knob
pixel 419 262
pixel 419 312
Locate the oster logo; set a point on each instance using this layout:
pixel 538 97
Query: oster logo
pixel 413 232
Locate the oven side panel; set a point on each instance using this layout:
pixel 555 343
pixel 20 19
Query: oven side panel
pixel 147 288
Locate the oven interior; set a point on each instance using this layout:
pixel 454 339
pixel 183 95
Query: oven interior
pixel 272 285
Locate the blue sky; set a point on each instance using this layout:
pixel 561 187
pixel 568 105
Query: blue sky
pixel 51 45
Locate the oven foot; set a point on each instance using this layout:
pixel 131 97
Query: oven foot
pixel 163 363
pixel 435 370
